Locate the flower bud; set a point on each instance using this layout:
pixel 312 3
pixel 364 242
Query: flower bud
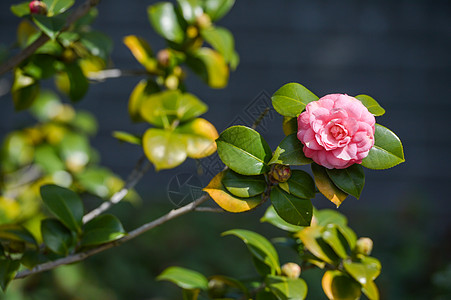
pixel 38 7
pixel 364 246
pixel 291 270
pixel 163 57
pixel 192 32
pixel 203 21
pixel 172 82
pixel 280 173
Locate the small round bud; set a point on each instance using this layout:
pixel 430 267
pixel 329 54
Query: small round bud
pixel 291 270
pixel 38 7
pixel 203 21
pixel 171 82
pixel 364 246
pixel 178 71
pixel 192 32
pixel 216 288
pixel 163 57
pixel 280 173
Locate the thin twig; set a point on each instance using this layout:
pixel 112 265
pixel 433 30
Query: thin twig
pixel 141 167
pixel 210 209
pixel 116 73
pixel 138 231
pixel 260 118
pixel 43 38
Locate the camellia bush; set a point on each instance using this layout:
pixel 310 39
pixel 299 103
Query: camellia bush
pixel 47 169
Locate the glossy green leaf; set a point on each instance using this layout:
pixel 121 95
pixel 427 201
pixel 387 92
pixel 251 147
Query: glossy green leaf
pixel 371 104
pixel 371 291
pixel 210 66
pixel 294 210
pixel 51 26
pixel 300 184
pixel 387 151
pixel 339 286
pixel 311 237
pixel 291 99
pixel 363 273
pixel 332 236
pixel 140 93
pixel 222 40
pixel 164 148
pixel 273 218
pixel 55 7
pixel 127 137
pixel 290 125
pixel 163 108
pixel 18 233
pixel 164 20
pixel 142 51
pixel 289 152
pixel 350 180
pixel 64 204
pixel 329 216
pixel 184 278
pixel 21 9
pixel 24 90
pixel 326 186
pixel 40 66
pixel 8 270
pixel 244 150
pixel 216 9
pixel 285 288
pixel 97 43
pixel 244 186
pixel 56 236
pixel 199 136
pixel 259 246
pixel 191 9
pixel 76 82
pixel 102 229
pixel 226 200
pixel 228 281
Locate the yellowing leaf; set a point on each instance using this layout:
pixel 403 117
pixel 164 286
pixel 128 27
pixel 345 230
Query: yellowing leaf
pixel 199 136
pixel 326 186
pixel 224 199
pixel 339 286
pixel 141 51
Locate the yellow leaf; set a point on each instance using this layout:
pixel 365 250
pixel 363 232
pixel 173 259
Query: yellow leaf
pixel 200 136
pixel 230 203
pixel 141 51
pixel 339 286
pixel 327 187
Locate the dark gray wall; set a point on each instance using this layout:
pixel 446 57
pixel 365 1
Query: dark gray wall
pixel 396 51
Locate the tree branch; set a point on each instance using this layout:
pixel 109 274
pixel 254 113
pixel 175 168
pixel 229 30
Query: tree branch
pixel 116 73
pixel 25 53
pixel 138 231
pixel 142 166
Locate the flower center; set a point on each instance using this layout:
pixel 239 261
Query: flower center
pixel 338 132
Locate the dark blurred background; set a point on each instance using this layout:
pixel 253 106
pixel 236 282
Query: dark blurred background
pixel 399 52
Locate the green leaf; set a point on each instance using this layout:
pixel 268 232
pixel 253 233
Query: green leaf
pixel 95 181
pixel 164 148
pixel 216 9
pixel 163 108
pixel 222 40
pixel 163 18
pixel 326 186
pixel 227 201
pixel 311 237
pixel 40 66
pixel 336 240
pixel 8 270
pixel 97 43
pixel 76 82
pixel 300 184
pixel 191 9
pixel 291 99
pixel 75 150
pixel 140 93
pixel 18 233
pixel 292 209
pixel 184 278
pixel 259 246
pixel 387 151
pixel 337 286
pixel 199 135
pixel 102 229
pixel 210 66
pixel 350 180
pixel 371 104
pixel 244 150
pixel 244 186
pixel 285 288
pixel 273 218
pixel 328 216
pixel 24 90
pixel 64 204
pixel 55 7
pixel 21 9
pixel 56 236
pixel 290 125
pixel 190 294
pixel 362 273
pixel 51 26
pixel 289 152
pixel 85 122
pixel 127 137
pixel 370 290
pixel 45 105
pixel 47 158
pixel 142 52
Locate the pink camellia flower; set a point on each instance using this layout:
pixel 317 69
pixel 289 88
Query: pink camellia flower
pixel 337 131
